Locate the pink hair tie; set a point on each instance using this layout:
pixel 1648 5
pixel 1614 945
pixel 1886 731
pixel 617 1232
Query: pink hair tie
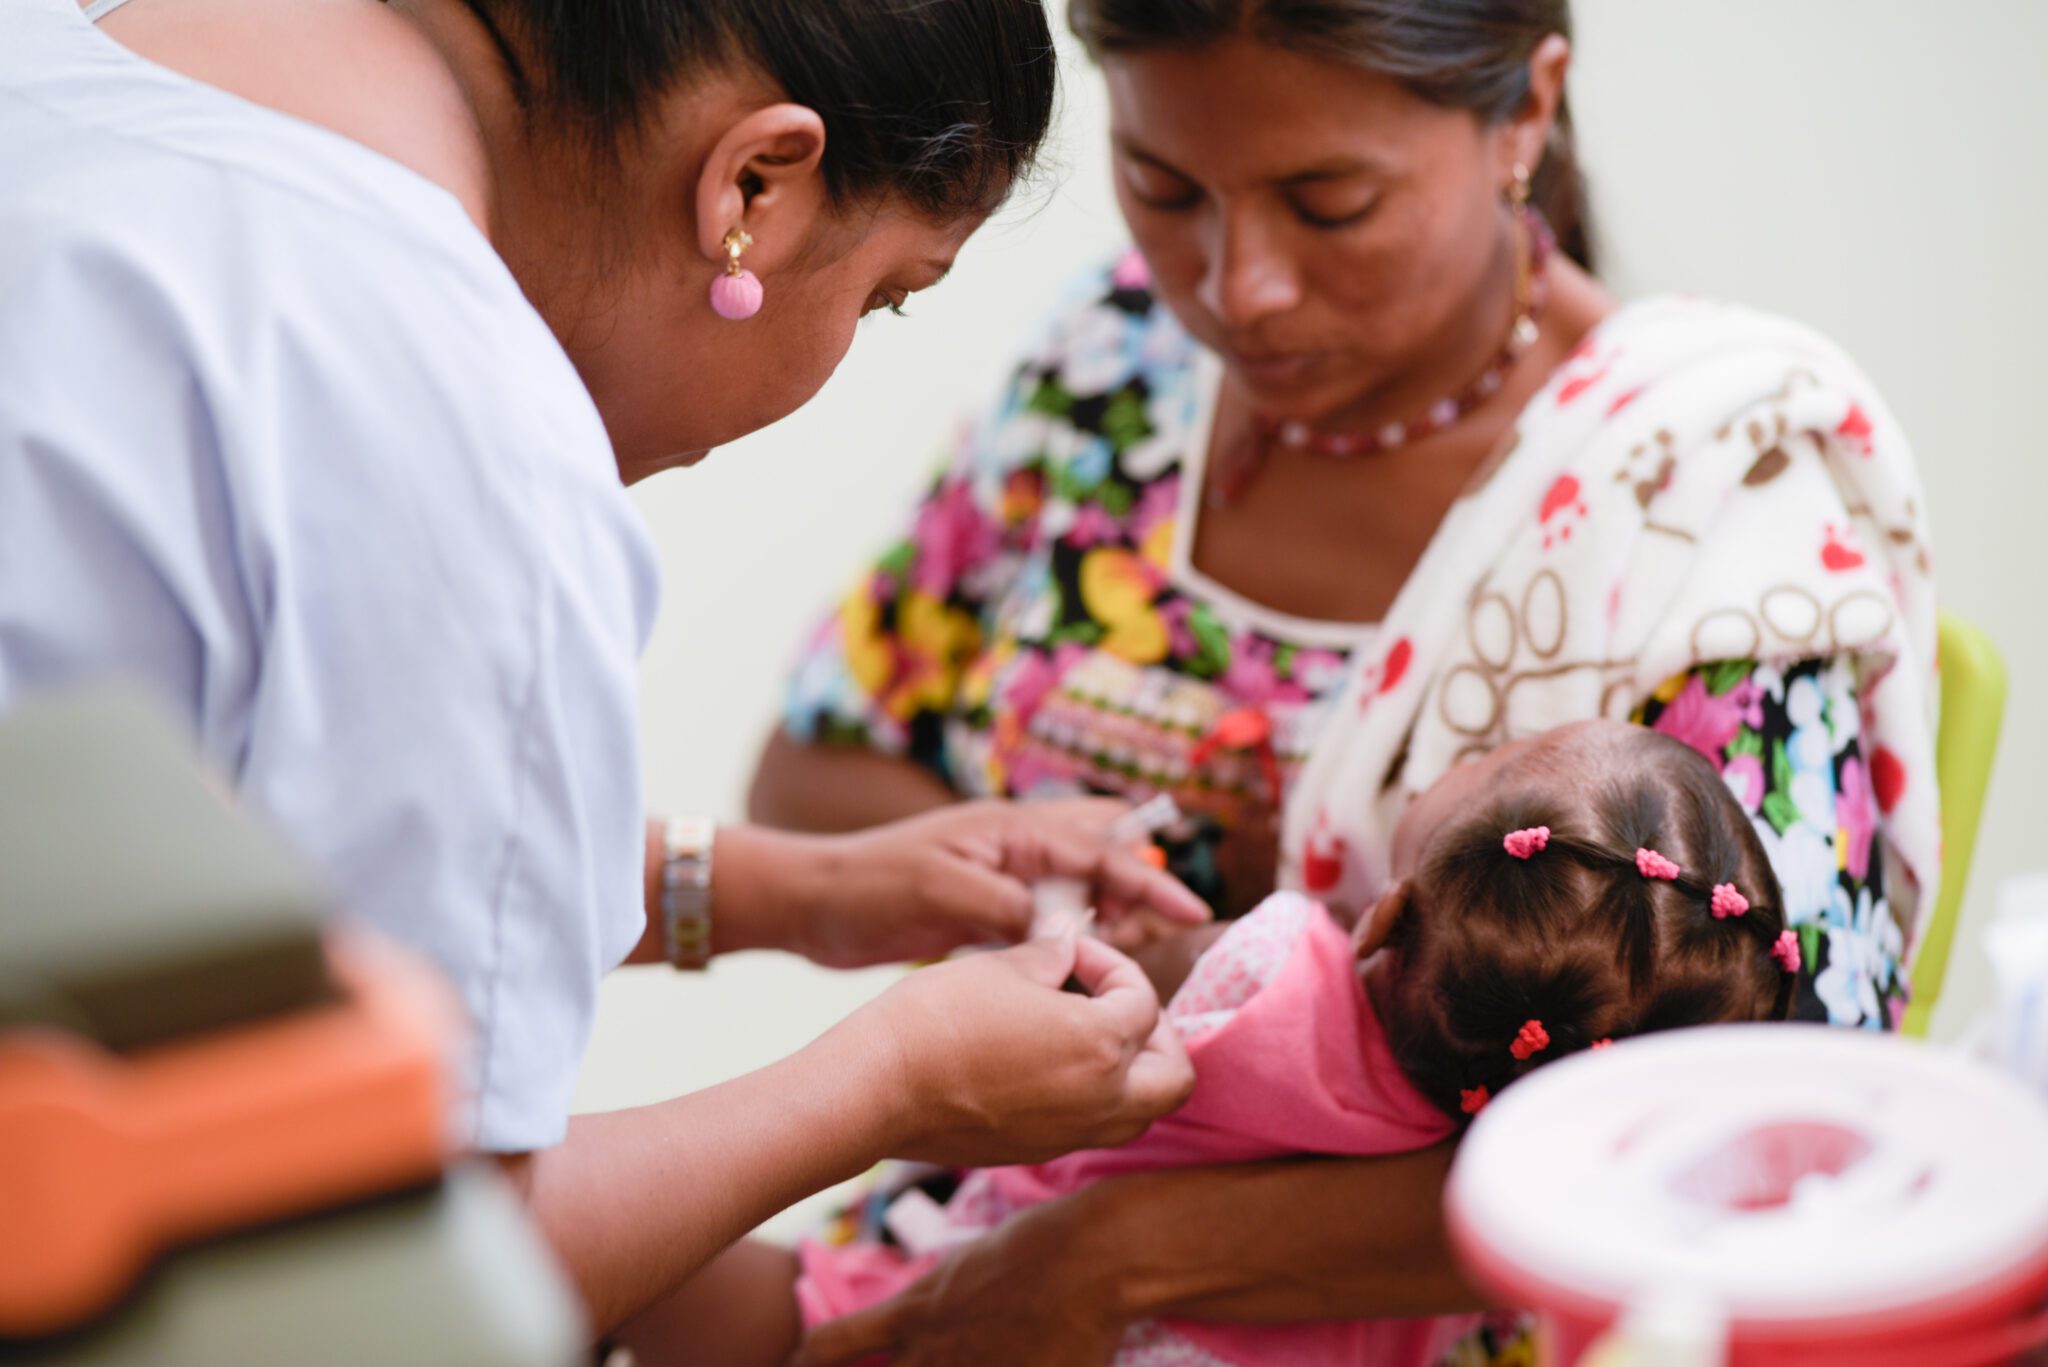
pixel 1473 1100
pixel 1531 1040
pixel 1786 951
pixel 1651 864
pixel 1522 844
pixel 1603 1044
pixel 1728 902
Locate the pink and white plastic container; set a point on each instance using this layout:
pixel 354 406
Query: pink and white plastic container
pixel 1830 1197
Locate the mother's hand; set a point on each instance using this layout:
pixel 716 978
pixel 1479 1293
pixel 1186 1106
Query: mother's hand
pixel 1019 1296
pixel 1242 1243
pixel 917 888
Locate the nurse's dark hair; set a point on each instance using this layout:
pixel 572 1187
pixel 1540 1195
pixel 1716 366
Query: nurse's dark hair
pixel 941 103
pixel 1568 932
pixel 1462 54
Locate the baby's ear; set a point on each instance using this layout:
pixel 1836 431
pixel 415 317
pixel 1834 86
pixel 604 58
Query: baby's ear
pixel 1377 925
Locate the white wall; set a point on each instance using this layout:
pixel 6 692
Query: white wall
pixel 1873 167
pixel 1870 166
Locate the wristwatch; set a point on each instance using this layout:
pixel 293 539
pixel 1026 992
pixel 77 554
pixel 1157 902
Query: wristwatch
pixel 686 891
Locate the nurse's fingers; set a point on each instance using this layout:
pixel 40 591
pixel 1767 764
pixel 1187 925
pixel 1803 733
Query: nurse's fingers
pixel 1162 1076
pixel 1128 882
pixel 984 904
pixel 1120 989
pixel 1050 842
pixel 1160 1073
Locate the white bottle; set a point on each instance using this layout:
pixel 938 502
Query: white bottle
pixel 1663 1329
pixel 1059 906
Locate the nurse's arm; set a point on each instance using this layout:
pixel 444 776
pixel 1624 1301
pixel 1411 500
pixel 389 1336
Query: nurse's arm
pixel 919 888
pixel 634 1201
pixel 969 1063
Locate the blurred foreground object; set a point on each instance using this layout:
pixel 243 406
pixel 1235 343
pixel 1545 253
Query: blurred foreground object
pixel 224 1126
pixel 1764 1195
pixel 2016 943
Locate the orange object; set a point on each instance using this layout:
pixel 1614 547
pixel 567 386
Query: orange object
pixel 1243 728
pixel 1152 855
pixel 107 1160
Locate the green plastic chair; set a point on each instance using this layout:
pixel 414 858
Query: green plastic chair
pixel 1972 709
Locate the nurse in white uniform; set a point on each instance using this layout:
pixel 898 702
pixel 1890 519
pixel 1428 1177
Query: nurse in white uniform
pixel 331 332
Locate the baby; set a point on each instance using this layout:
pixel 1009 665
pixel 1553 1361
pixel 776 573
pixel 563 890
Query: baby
pixel 1553 896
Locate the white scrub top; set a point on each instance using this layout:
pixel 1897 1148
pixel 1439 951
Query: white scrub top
pixel 281 438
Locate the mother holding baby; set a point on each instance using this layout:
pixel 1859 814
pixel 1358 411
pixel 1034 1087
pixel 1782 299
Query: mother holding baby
pixel 1348 471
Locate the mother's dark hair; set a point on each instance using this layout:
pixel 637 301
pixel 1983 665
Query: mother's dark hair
pixel 942 103
pixel 1463 54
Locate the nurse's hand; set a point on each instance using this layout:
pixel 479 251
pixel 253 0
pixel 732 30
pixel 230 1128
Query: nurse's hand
pixel 962 875
pixel 995 1064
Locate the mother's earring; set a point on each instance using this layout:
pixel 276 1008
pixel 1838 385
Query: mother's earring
pixel 1518 192
pixel 736 294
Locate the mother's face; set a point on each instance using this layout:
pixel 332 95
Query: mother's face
pixel 1314 224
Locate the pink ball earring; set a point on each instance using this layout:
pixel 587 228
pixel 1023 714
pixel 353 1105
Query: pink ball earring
pixel 736 294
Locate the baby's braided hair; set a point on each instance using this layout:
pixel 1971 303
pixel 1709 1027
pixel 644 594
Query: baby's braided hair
pixel 1550 923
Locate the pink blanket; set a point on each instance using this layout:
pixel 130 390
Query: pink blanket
pixel 1289 1059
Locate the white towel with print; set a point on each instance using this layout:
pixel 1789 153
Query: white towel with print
pixel 1698 483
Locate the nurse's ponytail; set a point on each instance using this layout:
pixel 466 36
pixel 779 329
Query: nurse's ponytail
pixel 942 103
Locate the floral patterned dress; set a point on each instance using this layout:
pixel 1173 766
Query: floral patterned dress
pixel 1788 742
pixel 1039 628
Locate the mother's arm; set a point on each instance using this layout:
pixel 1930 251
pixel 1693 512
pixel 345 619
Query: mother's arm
pixel 1254 1242
pixel 815 786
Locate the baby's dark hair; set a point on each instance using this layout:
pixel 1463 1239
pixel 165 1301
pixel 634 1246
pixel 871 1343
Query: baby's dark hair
pixel 1574 936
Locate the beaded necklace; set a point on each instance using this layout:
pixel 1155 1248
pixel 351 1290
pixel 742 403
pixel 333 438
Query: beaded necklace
pixel 1532 288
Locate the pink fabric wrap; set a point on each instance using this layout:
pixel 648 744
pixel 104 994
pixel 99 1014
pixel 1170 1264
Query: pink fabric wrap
pixel 1302 1066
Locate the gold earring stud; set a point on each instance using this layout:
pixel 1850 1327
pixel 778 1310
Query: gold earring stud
pixel 736 241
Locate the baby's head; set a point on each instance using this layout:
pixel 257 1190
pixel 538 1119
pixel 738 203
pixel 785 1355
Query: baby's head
pixel 1526 925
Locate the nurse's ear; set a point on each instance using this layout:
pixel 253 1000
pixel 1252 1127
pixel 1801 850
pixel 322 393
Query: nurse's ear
pixel 764 175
